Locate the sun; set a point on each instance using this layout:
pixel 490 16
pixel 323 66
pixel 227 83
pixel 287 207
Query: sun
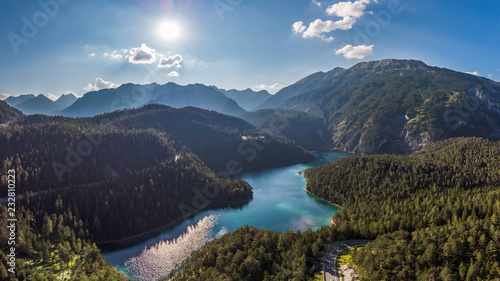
pixel 169 30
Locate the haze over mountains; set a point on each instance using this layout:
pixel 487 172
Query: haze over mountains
pixel 31 104
pixel 248 99
pixel 230 102
pixel 387 106
pixel 135 170
pixel 171 94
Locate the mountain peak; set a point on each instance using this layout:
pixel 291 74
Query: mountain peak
pixel 389 64
pixel 43 98
pixel 66 100
pixel 38 105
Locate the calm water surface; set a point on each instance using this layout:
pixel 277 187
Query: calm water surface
pixel 280 203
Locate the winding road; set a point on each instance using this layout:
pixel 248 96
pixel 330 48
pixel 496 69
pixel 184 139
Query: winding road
pixel 330 257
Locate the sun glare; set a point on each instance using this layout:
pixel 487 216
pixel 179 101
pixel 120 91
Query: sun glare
pixel 169 30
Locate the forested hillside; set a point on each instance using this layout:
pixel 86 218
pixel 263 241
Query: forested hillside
pixel 87 180
pixel 216 138
pixel 145 200
pixel 8 113
pixel 434 213
pixel 51 246
pixel 51 156
pixel 252 254
pixel 304 129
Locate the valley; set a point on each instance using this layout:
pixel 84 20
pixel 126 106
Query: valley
pixel 199 183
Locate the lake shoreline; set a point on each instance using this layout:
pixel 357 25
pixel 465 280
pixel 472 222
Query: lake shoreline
pixel 302 173
pixel 141 235
pixel 279 203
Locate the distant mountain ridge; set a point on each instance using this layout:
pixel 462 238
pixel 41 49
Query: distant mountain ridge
pixel 66 100
pixel 41 104
pixel 248 99
pixel 13 101
pixel 398 106
pixel 132 95
pixel 198 95
pixel 38 105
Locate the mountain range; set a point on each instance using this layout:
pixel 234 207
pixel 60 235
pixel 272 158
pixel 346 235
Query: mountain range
pixel 248 99
pixel 31 104
pixel 395 106
pixel 171 94
pixel 387 106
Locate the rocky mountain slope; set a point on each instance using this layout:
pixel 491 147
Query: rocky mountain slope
pixel 399 106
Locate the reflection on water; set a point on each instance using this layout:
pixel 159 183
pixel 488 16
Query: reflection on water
pixel 160 259
pixel 280 203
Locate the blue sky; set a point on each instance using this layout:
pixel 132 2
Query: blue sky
pixel 232 43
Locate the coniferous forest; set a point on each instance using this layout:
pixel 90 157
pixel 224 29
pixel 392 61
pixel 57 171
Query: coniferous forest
pixel 116 176
pixel 239 140
pixel 81 183
pixel 433 215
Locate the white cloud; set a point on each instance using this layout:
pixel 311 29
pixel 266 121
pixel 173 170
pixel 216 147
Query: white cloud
pixel 142 55
pixel 92 55
pixel 100 84
pixel 473 73
pixel 51 96
pixel 72 93
pixel 317 3
pixel 88 88
pixel 115 55
pixel 170 61
pixel 327 39
pixel 173 74
pixel 349 11
pixel 355 52
pixel 299 27
pixel 318 26
pixel 3 96
pixel 490 76
pixel 270 88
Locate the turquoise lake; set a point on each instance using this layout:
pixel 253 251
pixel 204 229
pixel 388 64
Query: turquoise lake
pixel 279 203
